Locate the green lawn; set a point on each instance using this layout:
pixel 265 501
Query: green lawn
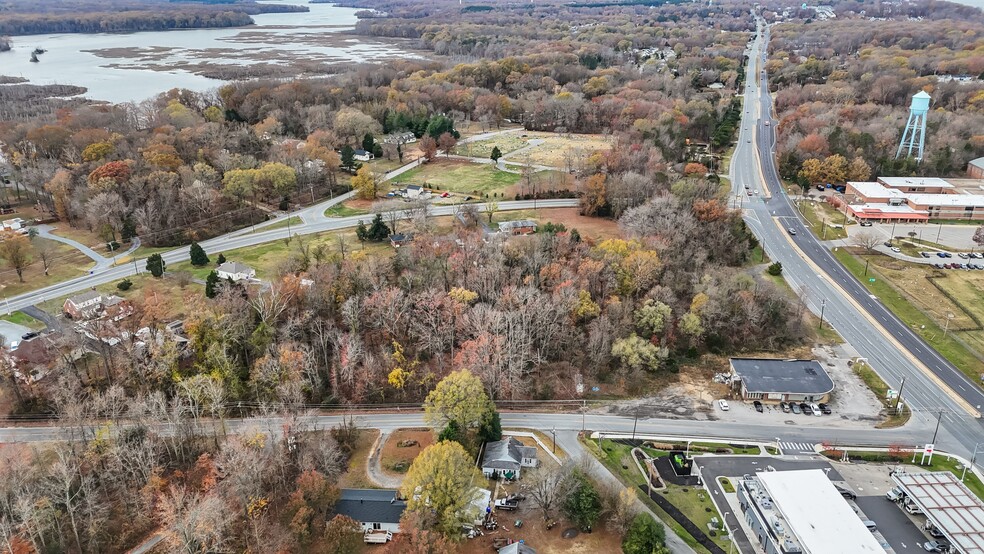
pixel 460 177
pixel 294 220
pixel 20 318
pixel 341 210
pixel 616 455
pixel 483 148
pixel 919 322
pixel 711 447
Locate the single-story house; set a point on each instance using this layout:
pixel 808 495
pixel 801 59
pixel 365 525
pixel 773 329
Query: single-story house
pixel 375 510
pixel 363 155
pixel 92 304
pixel 506 458
pixel 400 239
pixel 517 548
pixel 777 380
pixel 235 271
pixel 519 227
pixel 400 138
pixel 13 224
pixel 413 191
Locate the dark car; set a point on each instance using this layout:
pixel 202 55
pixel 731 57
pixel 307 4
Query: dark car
pixel 28 336
pixel 947 255
pixel 806 408
pixel 924 254
pixel 795 408
pixel 888 243
pixel 784 407
pixel 758 406
pixel 941 254
pixel 825 408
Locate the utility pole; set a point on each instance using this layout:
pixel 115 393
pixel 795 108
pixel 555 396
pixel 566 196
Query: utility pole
pixel 553 432
pixel 823 304
pixel 939 417
pixel 899 397
pixel 635 421
pixel 946 326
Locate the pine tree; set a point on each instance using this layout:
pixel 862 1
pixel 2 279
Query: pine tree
pixel 156 265
pixel 496 153
pixel 220 260
pixel 348 157
pixel 198 256
pixel 361 232
pixel 210 283
pixel 378 231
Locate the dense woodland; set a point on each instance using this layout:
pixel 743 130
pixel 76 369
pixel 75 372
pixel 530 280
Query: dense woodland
pixel 527 316
pixel 34 17
pixel 844 87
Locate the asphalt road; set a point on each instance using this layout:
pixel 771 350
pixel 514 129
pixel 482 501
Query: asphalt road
pixel 891 348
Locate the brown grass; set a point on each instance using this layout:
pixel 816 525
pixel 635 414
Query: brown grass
pixel 355 477
pixel 393 454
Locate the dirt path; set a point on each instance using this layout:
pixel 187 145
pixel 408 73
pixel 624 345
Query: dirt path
pixel 375 470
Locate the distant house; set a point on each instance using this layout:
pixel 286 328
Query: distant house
pixel 400 239
pixel 520 227
pixel 413 191
pixel 506 458
pixel 235 271
pixel 14 224
pixel 375 510
pixel 363 155
pixel 93 304
pixel 400 138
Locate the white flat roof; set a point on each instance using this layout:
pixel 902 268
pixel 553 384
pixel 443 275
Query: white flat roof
pixel 878 190
pixel 949 505
pixel 816 513
pixel 916 182
pixel 958 200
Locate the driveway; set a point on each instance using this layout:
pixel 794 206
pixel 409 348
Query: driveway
pixel 11 332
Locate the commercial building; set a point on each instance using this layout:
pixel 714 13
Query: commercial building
pixel 912 200
pixel 949 505
pixel 770 379
pixel 975 169
pixel 801 512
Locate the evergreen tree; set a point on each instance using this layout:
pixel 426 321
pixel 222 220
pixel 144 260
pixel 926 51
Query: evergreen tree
pixel 221 259
pixel 378 231
pixel 451 432
pixel 210 283
pixel 348 157
pixel 198 256
pixel 368 142
pixel 496 154
pixel 440 124
pixel 361 232
pixel 491 427
pixel 156 265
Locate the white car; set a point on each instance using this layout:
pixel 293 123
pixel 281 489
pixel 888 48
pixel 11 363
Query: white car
pixel 723 404
pixel 816 410
pixel 756 191
pixel 896 249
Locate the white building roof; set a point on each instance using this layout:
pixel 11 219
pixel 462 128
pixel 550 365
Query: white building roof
pixel 877 190
pixel 916 182
pixel 816 514
pixel 949 505
pixel 955 200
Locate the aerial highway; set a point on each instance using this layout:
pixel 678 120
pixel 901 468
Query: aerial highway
pixel 934 388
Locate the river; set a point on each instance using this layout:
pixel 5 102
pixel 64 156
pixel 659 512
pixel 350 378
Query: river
pixel 116 66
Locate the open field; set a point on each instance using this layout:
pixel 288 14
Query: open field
pixel 507 143
pixel 822 217
pixel 923 306
pixel 557 149
pixel 395 459
pixel 66 263
pixel 86 237
pixel 460 176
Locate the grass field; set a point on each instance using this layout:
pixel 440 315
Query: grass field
pixel 20 318
pixel 461 177
pixel 557 148
pixel 344 210
pixel 821 217
pixel 355 476
pixel 903 288
pixel 507 143
pixel 396 459
pixel 66 263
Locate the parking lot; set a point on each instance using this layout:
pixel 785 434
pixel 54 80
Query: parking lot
pixel 870 481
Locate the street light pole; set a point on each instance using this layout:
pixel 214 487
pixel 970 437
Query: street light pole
pixel 823 304
pixel 553 432
pixel 866 261
pixel 939 417
pixel 938 233
pixel 972 460
pixel 635 421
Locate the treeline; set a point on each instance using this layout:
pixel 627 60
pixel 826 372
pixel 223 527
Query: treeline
pixel 23 18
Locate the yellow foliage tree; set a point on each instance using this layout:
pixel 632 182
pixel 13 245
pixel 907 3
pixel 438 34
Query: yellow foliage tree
pixel 441 481
pixel 459 397
pixel 402 368
pixel 364 182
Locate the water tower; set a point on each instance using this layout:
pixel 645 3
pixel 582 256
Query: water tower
pixel 914 136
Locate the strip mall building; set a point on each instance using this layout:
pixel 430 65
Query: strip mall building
pixel 912 200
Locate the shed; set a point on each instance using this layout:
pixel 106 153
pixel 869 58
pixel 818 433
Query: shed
pixel 975 168
pixel 781 380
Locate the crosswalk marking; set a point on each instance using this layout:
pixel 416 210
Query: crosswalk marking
pixel 788 447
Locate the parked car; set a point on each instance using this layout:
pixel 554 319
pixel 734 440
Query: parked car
pixel 895 494
pixel 864 223
pixel 962 255
pixel 896 249
pixel 941 254
pixel 815 410
pixel 936 546
pixel 795 408
pixel 784 407
pixel 723 404
pixel 938 265
pixel 947 255
pixel 806 408
pixel 507 505
pixel 933 531
pixel 758 406
pixel 888 243
pixel 28 336
pixel 825 408
pixel 924 254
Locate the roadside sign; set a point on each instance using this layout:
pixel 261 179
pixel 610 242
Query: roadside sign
pixel 871 280
pixel 892 393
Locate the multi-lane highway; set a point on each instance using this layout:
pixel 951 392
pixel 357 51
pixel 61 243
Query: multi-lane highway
pixel 932 384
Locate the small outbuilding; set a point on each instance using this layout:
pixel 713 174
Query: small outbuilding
pixel 518 227
pixel 235 271
pixel 507 457
pixel 770 379
pixel 375 510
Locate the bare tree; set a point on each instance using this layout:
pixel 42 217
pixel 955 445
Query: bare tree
pixel 866 240
pixel 194 522
pixel 546 487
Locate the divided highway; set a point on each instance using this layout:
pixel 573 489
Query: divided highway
pixel 891 348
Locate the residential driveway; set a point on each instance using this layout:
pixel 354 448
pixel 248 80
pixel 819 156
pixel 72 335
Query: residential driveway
pixel 11 332
pixel 374 469
pixel 50 321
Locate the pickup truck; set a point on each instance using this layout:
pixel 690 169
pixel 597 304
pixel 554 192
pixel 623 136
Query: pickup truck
pixel 505 504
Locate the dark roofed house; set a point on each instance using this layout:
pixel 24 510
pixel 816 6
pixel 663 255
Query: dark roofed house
pixel 400 239
pixel 507 457
pixel 780 380
pixel 375 510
